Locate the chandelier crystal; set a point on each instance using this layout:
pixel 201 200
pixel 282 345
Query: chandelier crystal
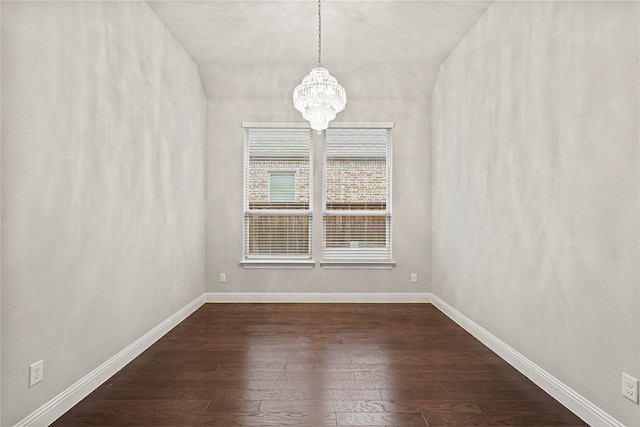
pixel 319 97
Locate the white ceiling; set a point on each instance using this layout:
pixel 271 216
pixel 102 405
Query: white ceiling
pixel 227 37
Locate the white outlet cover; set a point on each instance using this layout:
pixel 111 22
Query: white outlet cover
pixel 36 372
pixel 630 387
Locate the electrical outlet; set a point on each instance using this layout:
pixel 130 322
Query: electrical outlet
pixel 630 387
pixel 36 372
pixel 414 277
pixel 223 278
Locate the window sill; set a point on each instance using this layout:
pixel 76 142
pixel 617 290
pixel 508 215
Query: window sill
pixel 263 263
pixel 367 265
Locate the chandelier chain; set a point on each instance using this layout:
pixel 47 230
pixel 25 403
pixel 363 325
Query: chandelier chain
pixel 319 36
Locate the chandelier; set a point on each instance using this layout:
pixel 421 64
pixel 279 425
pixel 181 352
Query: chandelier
pixel 319 97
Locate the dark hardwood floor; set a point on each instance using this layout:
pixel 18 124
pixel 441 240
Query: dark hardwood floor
pixel 318 365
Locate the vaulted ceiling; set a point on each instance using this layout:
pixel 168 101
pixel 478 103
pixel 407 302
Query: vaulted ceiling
pixel 236 42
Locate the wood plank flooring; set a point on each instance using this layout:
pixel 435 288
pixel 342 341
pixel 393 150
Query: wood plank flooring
pixel 318 365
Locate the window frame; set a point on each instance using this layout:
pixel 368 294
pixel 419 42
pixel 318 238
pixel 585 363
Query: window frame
pixel 274 260
pixel 366 257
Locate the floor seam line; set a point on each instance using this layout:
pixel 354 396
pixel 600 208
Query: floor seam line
pixel 424 418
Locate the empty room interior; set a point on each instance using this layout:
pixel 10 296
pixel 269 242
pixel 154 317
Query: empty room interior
pixel 463 236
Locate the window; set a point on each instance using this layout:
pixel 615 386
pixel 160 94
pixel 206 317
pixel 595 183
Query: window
pixel 357 195
pixel 282 187
pixel 277 194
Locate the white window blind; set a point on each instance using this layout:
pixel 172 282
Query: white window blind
pixel 357 195
pixel 277 194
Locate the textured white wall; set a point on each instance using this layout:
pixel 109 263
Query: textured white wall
pixel 410 112
pixel 0 223
pixel 535 188
pixel 104 120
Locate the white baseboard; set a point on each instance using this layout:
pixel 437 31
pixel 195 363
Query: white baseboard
pixel 582 407
pixel 56 407
pixel 302 297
